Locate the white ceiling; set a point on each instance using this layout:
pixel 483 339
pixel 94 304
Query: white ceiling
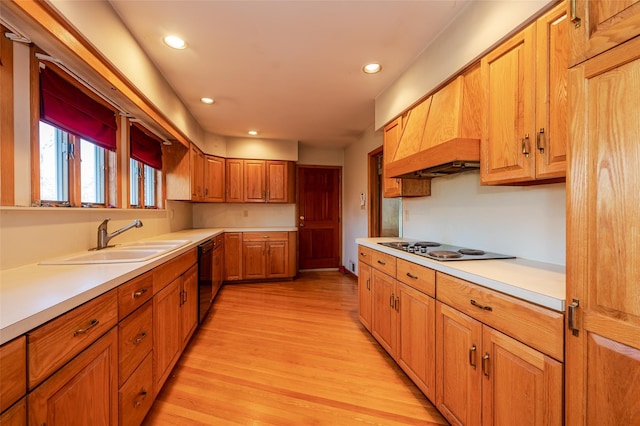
pixel 289 69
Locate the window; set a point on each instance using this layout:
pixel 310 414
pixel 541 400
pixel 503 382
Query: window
pixel 76 144
pixel 145 169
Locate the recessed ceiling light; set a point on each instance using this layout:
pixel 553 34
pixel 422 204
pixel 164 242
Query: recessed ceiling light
pixel 208 101
pixel 372 68
pixel 175 42
pixel 253 132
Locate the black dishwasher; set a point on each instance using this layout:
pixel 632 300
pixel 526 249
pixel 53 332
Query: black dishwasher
pixel 205 278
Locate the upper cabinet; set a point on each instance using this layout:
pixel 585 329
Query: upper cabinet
pixel 184 172
pixel 599 25
pixel 525 105
pixel 214 179
pixel 260 181
pixel 197 174
pixel 440 135
pixel 397 187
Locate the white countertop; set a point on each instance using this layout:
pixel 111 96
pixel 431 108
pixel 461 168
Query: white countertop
pixel 33 294
pixel 536 282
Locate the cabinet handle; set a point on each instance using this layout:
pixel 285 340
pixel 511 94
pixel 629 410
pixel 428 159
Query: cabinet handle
pixel 485 364
pixel 92 324
pixel 139 292
pixel 363 254
pixel 477 305
pixel 410 275
pixel 184 297
pixel 369 284
pixel 265 236
pixel 572 317
pixel 391 298
pixel 472 356
pixel 140 398
pixel 396 304
pixel 574 14
pixel 381 262
pixel 140 338
pixel 525 145
pixel 539 141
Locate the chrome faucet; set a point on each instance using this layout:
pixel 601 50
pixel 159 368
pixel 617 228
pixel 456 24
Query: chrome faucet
pixel 104 237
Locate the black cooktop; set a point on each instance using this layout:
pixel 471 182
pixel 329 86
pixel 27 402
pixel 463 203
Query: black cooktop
pixel 443 252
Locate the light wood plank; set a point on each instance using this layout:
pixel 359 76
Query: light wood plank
pixel 289 352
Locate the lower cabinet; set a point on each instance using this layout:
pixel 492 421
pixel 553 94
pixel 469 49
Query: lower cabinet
pixel 84 391
pixel 16 415
pixel 385 315
pixel 259 255
pixel 135 397
pixel 364 295
pixel 485 377
pixel 232 256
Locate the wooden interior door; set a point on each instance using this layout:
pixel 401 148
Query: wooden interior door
pixel 319 217
pixel 603 240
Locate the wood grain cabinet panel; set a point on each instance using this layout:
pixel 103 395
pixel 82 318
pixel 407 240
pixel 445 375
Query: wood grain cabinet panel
pixel 234 180
pixel 53 344
pixel 233 256
pixel 189 304
pixel 214 179
pixel 83 392
pixel 134 293
pixel 13 371
pixel 254 187
pixel 135 340
pixel 135 398
pixel 16 415
pixel 385 317
pixel 364 295
pixel 197 173
pixel 167 332
pixel 419 277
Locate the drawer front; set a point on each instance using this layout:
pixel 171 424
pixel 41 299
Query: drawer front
pixel 136 396
pixel 16 415
pixel 135 340
pixel 169 271
pixel 365 254
pixel 53 344
pixel 533 325
pixel 219 240
pixel 384 262
pixel 13 371
pixel 265 236
pixel 417 276
pixel 134 293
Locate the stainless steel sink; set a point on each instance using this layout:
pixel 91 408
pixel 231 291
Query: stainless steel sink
pixel 138 251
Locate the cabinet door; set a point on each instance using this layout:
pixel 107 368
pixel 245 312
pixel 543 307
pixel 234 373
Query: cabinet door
pixel 384 313
pixel 279 179
pixel 602 25
pixel 552 72
pixel 277 261
pixel 167 336
pixel 458 366
pixel 218 270
pixel 83 392
pixel 254 262
pixel 197 174
pixel 233 256
pixel 234 180
pixel 603 239
pixel 417 338
pixel 507 144
pixel 16 415
pixel 189 304
pixel 520 386
pixel 13 371
pixel 364 294
pixel 255 190
pixel 214 186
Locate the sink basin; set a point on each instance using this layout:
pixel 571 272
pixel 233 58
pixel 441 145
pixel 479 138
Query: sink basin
pixel 139 251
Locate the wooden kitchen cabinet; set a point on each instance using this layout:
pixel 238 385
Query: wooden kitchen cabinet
pixel 385 317
pixel 183 168
pixel 13 372
pixel 254 185
pixel 599 25
pixel 197 173
pixel 135 398
pixel 525 82
pixel 234 180
pixel 233 256
pixel 214 179
pixel 397 187
pixel 189 304
pixel 364 295
pixel 265 255
pixel 167 333
pixel 603 335
pixel 83 392
pixel 16 415
pixel 269 181
pixel 218 265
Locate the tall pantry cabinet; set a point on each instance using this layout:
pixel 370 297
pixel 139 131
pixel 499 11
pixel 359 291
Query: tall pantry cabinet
pixel 603 209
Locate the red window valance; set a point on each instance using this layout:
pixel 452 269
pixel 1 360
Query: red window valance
pixel 145 147
pixel 66 107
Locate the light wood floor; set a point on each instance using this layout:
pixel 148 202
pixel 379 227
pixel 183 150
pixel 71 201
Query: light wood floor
pixel 289 353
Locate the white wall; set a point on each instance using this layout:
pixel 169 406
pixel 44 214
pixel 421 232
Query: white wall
pixel 354 218
pixel 262 149
pixel 313 155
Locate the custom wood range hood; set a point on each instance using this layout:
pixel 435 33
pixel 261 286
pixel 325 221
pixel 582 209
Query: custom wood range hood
pixel 441 135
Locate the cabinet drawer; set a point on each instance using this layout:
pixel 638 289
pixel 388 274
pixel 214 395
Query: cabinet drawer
pixel 53 344
pixel 169 271
pixel 136 396
pixel 219 240
pixel 384 262
pixel 533 325
pixel 265 236
pixel 16 415
pixel 365 254
pixel 134 293
pixel 13 371
pixel 417 276
pixel 135 340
